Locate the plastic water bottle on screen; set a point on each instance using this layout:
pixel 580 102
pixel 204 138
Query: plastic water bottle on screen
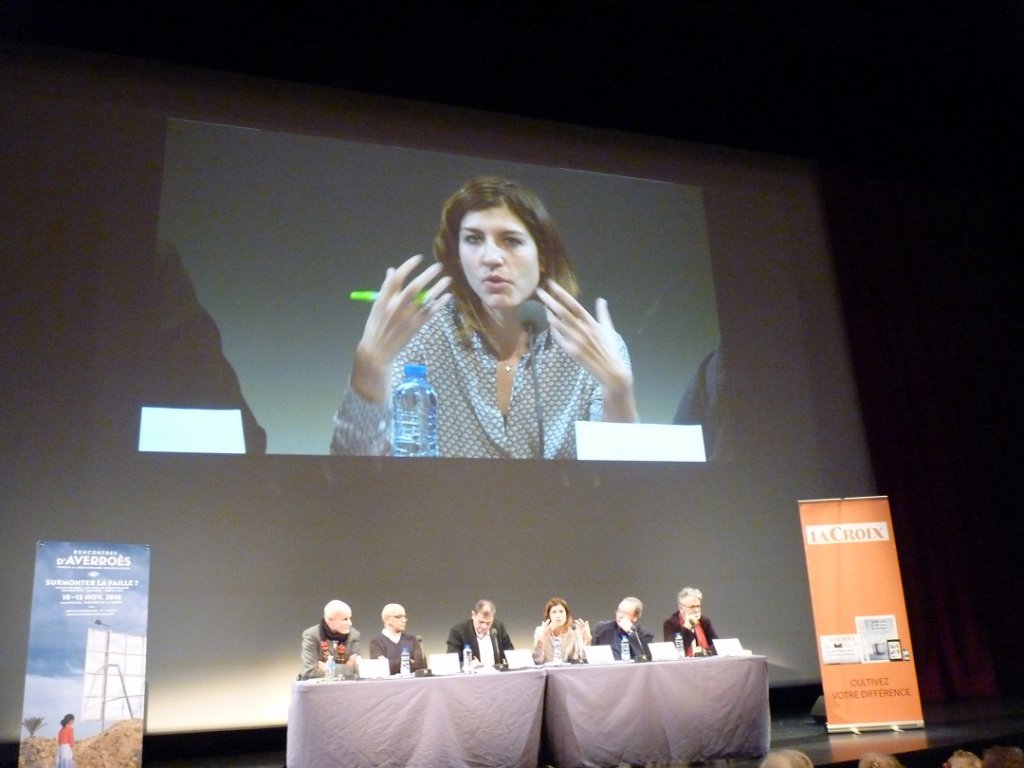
pixel 414 411
pixel 624 653
pixel 467 659
pixel 680 651
pixel 556 649
pixel 405 668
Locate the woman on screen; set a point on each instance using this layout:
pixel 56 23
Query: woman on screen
pixel 497 248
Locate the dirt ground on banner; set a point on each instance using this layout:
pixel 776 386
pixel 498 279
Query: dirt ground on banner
pixel 120 746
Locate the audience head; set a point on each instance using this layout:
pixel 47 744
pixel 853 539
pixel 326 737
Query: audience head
pixel 962 759
pixel 878 760
pixel 557 611
pixel 338 617
pixel 393 617
pixel 1003 757
pixel 786 758
pixel 483 616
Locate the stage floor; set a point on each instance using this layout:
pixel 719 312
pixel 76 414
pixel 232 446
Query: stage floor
pixel 970 725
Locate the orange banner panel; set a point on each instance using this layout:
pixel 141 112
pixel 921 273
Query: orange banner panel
pixel 860 617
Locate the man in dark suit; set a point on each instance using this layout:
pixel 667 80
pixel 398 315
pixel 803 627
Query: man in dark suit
pixel 625 626
pixel 484 634
pixel 688 621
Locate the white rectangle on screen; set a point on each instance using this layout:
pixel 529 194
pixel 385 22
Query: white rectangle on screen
pixel 729 646
pixel 663 651
pixel 191 430
pixel 519 659
pixel 443 663
pixel 605 441
pixel 598 654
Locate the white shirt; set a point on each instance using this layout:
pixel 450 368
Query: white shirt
pixel 486 649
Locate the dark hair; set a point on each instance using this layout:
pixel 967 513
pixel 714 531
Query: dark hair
pixel 1002 757
pixel 568 611
pixel 484 603
pixel 66 719
pixel 480 194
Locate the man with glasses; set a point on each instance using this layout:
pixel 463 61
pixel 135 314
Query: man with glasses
pixel 393 639
pixel 689 622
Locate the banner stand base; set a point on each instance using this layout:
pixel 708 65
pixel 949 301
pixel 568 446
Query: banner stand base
pixel 858 727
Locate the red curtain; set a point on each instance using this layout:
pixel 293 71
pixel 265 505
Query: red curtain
pixel 925 269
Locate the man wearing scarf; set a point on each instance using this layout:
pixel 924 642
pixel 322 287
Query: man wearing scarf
pixel 695 628
pixel 334 634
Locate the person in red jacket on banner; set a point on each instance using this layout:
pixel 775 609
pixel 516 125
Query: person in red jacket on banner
pixel 688 621
pixel 66 742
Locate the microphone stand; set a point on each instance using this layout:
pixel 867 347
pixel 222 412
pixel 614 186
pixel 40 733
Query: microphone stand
pixel 538 406
pixel 533 320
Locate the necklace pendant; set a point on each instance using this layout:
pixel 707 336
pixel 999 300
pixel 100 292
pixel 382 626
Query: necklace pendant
pixel 508 368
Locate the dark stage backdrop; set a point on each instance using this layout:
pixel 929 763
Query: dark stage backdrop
pixel 247 549
pixel 927 263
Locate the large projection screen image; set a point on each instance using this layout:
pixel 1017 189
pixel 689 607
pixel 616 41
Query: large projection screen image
pixel 276 229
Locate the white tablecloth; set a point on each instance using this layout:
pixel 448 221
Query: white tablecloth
pixel 482 720
pixel 694 709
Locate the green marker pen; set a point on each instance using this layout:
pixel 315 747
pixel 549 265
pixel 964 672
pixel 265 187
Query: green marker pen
pixel 371 296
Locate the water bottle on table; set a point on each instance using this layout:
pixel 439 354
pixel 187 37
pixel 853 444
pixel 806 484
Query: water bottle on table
pixel 332 668
pixel 624 654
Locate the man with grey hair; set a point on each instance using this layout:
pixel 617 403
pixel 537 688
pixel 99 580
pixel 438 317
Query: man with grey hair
pixel 689 622
pixel 334 635
pixel 625 625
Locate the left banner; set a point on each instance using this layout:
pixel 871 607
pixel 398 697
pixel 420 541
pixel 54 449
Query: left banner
pixel 85 682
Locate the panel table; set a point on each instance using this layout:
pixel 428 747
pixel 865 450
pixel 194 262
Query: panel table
pixel 687 710
pixel 484 719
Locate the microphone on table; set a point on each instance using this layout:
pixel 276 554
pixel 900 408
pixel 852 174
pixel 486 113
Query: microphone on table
pixel 498 658
pixel 533 319
pixel 418 655
pixel 640 642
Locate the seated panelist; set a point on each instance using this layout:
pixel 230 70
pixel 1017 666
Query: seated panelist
pixel 625 624
pixel 559 630
pixel 393 639
pixel 688 621
pixel 333 635
pixel 484 634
